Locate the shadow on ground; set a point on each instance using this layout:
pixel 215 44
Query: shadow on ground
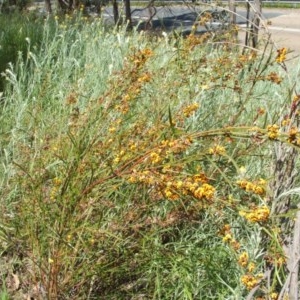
pixel 180 23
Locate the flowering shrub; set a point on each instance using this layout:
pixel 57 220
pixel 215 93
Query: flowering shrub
pixel 144 171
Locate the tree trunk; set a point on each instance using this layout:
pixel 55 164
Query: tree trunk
pixel 128 14
pixel 71 5
pixel 247 25
pixel 255 23
pixel 232 11
pixel 62 6
pixel 48 7
pixel 152 13
pixel 98 4
pixel 116 11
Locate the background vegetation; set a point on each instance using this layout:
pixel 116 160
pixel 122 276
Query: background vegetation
pixel 17 31
pixel 135 167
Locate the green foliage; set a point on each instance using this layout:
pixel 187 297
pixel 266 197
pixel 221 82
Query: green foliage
pixel 4 296
pixel 277 4
pixel 124 160
pixel 17 33
pixel 11 6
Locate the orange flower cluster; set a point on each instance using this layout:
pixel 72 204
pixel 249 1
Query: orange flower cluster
pixel 276 259
pixel 175 146
pixel 243 259
pixel 296 99
pixel 251 56
pixel 281 55
pixel 258 214
pixel 217 150
pixel 293 136
pixel 155 157
pixel 275 256
pixel 137 78
pixel 272 296
pixel 173 190
pixel 228 237
pixel 140 57
pixel 273 131
pixel 56 185
pixel 190 109
pixel 171 187
pixel 274 77
pixel 133 92
pixel 194 40
pixel 250 281
pixel 286 121
pixel 206 17
pixel 256 187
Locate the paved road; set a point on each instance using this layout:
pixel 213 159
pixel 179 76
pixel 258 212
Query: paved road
pixel 285 31
pixel 172 17
pixel 285 23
